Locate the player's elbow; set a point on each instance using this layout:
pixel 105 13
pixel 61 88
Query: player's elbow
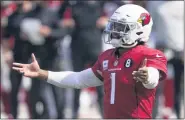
pixel 79 82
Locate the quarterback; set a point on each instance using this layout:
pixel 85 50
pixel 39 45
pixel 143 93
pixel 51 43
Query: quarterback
pixel 130 72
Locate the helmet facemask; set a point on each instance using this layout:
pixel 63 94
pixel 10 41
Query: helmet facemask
pixel 118 34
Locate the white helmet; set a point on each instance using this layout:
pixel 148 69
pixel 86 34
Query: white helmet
pixel 128 25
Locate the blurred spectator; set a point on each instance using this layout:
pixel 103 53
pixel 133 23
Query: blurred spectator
pixel 36 29
pixel 152 7
pixel 7 8
pixel 87 19
pixel 168 24
pixel 171 31
pixel 6 59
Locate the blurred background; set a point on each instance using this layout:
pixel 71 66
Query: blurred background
pixel 66 35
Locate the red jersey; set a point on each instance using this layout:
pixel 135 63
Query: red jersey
pixel 123 96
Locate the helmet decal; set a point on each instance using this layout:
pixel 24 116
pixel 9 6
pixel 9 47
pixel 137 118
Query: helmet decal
pixel 144 19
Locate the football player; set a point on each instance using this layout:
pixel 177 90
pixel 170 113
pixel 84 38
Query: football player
pixel 130 72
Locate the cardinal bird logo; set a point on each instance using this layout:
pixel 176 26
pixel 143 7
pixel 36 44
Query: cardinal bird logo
pixel 144 19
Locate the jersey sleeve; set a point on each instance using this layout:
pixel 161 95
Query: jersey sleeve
pixel 97 69
pixel 158 61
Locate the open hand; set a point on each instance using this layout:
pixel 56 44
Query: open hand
pixel 142 73
pixel 28 70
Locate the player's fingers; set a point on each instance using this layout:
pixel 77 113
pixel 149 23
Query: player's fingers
pixel 143 69
pixel 136 78
pixel 18 69
pixel 140 74
pixel 33 57
pixel 143 72
pixel 139 79
pixel 18 64
pixel 22 72
pixel 144 63
pixel 143 77
pixel 136 73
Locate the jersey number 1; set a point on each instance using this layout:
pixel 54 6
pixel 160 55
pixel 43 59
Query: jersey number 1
pixel 113 85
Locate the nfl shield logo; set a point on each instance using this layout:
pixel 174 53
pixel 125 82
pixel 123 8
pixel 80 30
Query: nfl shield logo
pixel 116 63
pixel 105 64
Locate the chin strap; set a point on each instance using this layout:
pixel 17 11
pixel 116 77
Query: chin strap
pixel 126 46
pixel 118 43
pixel 130 46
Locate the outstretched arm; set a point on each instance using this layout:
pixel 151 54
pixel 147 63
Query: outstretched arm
pixel 65 79
pixel 69 79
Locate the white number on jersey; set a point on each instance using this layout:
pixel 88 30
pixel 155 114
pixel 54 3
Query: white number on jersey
pixel 113 87
pixel 128 63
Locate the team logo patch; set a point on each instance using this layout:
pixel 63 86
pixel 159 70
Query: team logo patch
pixel 105 64
pixel 128 63
pixel 116 63
pixel 144 19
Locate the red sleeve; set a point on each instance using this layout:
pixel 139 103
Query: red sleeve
pixel 97 69
pixel 158 61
